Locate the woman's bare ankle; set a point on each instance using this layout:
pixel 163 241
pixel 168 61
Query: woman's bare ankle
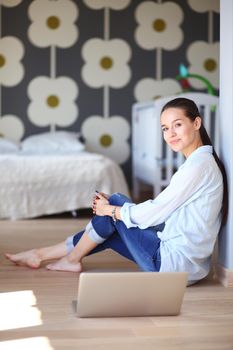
pixel 73 259
pixel 56 251
pixel 40 253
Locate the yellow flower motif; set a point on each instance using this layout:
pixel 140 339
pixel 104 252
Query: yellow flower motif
pixel 159 25
pixel 11 127
pixel 204 6
pixel 10 3
pixel 53 23
pixel 150 89
pixel 204 60
pixel 112 4
pixel 106 63
pixel 11 53
pixel 107 136
pixel 53 101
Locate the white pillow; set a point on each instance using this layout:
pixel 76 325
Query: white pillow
pixel 57 142
pixel 8 146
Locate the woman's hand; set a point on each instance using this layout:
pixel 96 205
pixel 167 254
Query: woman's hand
pixel 106 196
pixel 99 204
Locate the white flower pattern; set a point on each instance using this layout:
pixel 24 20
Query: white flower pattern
pixel 150 89
pixel 204 60
pixel 11 127
pixel 10 3
pixel 52 101
pixel 112 4
pixel 204 6
pixel 53 23
pixel 106 63
pixel 159 25
pixel 107 136
pixel 11 53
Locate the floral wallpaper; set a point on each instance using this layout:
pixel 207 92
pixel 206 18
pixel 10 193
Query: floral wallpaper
pixel 80 65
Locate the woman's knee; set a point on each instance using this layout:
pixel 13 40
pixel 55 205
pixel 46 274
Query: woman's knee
pixel 119 199
pixel 103 225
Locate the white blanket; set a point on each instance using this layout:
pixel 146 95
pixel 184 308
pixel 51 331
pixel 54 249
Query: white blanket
pixel 32 186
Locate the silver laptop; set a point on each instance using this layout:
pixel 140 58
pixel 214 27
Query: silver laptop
pixel 112 294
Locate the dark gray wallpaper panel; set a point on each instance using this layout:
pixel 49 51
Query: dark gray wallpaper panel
pixel 80 65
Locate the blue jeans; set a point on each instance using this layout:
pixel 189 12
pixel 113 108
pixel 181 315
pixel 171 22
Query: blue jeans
pixel 138 245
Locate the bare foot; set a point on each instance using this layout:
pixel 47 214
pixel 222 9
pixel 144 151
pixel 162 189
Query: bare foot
pixel 65 265
pixel 29 258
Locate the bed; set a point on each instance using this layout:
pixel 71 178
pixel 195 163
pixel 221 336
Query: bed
pixel 40 183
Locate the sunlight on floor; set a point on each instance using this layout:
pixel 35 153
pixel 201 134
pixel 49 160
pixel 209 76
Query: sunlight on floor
pixel 18 309
pixel 37 343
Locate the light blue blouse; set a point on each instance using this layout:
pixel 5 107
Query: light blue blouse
pixel 190 207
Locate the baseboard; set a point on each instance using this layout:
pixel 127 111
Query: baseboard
pixel 224 276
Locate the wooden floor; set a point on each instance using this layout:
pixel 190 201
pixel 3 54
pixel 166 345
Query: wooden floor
pixel 36 310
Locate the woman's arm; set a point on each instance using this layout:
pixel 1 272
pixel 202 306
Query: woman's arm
pixel 185 184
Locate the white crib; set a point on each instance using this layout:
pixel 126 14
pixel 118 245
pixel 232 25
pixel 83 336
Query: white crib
pixel 153 162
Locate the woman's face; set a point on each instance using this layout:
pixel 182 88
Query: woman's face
pixel 179 132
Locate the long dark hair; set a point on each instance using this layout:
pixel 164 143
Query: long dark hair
pixel 191 111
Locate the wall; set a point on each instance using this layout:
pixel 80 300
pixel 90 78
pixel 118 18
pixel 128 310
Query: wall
pixel 226 110
pixel 80 65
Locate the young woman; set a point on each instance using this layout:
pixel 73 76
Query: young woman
pixel 176 231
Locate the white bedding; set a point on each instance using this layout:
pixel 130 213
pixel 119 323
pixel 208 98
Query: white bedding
pixel 32 186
